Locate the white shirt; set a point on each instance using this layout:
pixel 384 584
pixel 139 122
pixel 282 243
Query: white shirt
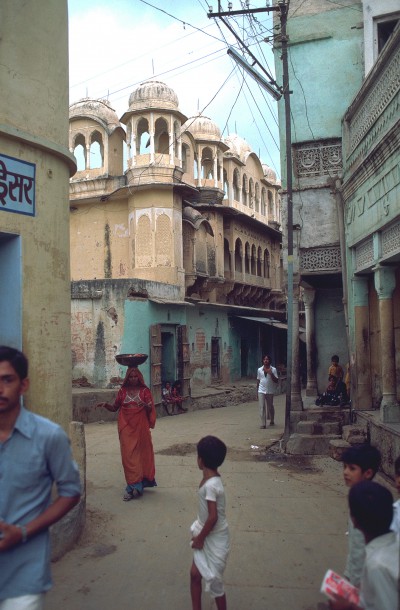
pixel 395 527
pixel 380 575
pixel 267 384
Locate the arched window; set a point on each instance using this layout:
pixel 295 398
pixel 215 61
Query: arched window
pixel 257 202
pixel 238 255
pixel 270 206
pixel 226 185
pixel 227 257
pixel 247 258
pixel 185 157
pixel 251 193
pixel 253 265
pixel 142 137
pixel 161 137
pixel 259 262
pixel 236 185
pixel 207 164
pixel 263 199
pixel 244 189
pixel 96 150
pixel 79 152
pixel 266 263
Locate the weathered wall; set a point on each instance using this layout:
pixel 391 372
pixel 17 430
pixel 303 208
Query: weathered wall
pixel 105 323
pixel 331 336
pixel 34 129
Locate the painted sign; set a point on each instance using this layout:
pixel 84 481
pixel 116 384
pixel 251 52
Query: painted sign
pixel 17 186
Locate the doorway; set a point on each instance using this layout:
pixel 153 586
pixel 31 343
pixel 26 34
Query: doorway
pixel 215 358
pixel 168 362
pixel 11 293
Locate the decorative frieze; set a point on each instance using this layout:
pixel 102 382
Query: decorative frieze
pixel 321 158
pixel 374 103
pixel 326 258
pixel 365 254
pixel 391 240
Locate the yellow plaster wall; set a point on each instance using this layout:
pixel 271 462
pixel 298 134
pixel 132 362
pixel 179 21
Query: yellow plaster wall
pixel 34 128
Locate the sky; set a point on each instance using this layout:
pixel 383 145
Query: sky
pixel 115 46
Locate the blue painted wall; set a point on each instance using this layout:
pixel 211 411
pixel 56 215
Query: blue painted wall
pixel 325 72
pixel 10 298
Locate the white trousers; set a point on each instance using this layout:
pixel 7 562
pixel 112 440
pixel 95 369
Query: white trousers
pixel 267 409
pixel 24 602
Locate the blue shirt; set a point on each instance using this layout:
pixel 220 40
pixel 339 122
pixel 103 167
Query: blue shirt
pixel 36 454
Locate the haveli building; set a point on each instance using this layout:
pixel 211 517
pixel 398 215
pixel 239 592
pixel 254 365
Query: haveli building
pixel 346 200
pixel 172 255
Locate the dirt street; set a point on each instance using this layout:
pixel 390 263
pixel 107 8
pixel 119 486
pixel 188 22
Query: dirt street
pixel 287 518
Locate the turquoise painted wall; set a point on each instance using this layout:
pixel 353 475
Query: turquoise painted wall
pixel 331 336
pixel 139 316
pixel 325 72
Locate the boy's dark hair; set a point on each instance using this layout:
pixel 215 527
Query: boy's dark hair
pixel 365 456
pixel 371 505
pixel 335 358
pixel 17 359
pixel 397 466
pixel 212 451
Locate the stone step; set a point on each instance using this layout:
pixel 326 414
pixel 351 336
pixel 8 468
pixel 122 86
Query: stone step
pixel 318 427
pixel 354 434
pixel 321 414
pixel 310 444
pixel 337 447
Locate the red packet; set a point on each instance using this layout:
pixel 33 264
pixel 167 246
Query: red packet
pixel 334 583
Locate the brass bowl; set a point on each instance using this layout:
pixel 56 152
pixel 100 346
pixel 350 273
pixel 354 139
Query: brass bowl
pixel 131 359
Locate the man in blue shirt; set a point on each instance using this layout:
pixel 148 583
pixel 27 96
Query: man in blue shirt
pixel 34 454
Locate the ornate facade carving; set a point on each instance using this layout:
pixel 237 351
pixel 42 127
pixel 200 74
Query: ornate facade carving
pixel 365 254
pixel 386 85
pixel 320 259
pixel 321 158
pixel 391 240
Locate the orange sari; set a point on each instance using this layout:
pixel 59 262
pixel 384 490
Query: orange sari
pixel 136 416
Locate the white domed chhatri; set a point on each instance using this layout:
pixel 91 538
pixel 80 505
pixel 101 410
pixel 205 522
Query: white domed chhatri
pixel 202 128
pixel 238 146
pixel 153 94
pixel 269 174
pixel 97 110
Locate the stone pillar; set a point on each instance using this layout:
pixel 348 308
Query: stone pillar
pixel 361 391
pixel 87 160
pixel 151 134
pixel 385 283
pixel 171 146
pixel 198 168
pixel 133 151
pixel 296 401
pixel 309 299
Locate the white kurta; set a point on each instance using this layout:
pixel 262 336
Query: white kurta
pixel 211 559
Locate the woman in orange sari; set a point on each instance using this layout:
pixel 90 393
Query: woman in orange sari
pixel 136 416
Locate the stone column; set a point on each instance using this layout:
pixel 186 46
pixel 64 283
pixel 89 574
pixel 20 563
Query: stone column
pixel 309 299
pixel 216 177
pixel 296 401
pixel 385 283
pixel 133 151
pixel 361 391
pixel 87 160
pixel 151 134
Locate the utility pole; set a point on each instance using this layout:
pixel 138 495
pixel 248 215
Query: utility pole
pixel 282 8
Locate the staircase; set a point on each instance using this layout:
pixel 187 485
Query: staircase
pixel 315 428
